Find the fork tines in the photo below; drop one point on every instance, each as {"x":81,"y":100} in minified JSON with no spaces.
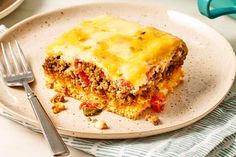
{"x":15,"y":66}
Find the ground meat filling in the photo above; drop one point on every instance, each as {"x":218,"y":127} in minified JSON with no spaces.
{"x":92,"y":78}
{"x":55,"y":65}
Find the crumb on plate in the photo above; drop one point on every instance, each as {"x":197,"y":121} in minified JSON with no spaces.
{"x":89,"y":119}
{"x":58,"y":107}
{"x":59,"y":97}
{"x":94,"y":120}
{"x":153,"y":119}
{"x":101,"y":124}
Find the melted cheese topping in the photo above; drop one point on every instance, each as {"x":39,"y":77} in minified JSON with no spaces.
{"x":124,"y":50}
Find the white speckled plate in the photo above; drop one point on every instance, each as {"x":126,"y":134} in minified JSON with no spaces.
{"x":210,"y":70}
{"x":7,"y":6}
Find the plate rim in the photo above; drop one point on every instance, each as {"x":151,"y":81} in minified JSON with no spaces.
{"x":134,"y":134}
{"x":10,"y":8}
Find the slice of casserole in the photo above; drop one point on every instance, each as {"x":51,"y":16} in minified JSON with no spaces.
{"x":113,"y":64}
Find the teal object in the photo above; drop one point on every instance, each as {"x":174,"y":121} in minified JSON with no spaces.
{"x":220,"y":7}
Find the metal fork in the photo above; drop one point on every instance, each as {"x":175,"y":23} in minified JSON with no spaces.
{"x":20,"y":75}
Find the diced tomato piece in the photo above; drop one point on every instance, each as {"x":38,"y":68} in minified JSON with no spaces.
{"x":87,"y":104}
{"x":158,"y":101}
{"x":84,"y":77}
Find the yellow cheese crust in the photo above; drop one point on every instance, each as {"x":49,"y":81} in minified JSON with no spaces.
{"x":123,"y":49}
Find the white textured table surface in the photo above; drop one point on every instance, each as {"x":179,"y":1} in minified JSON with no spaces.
{"x":17,"y":141}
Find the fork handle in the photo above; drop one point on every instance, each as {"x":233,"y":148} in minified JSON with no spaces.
{"x":56,"y":143}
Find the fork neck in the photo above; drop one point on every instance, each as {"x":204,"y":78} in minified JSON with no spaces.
{"x":28,"y":90}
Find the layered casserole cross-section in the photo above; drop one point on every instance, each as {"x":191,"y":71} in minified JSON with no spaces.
{"x":112,"y":64}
